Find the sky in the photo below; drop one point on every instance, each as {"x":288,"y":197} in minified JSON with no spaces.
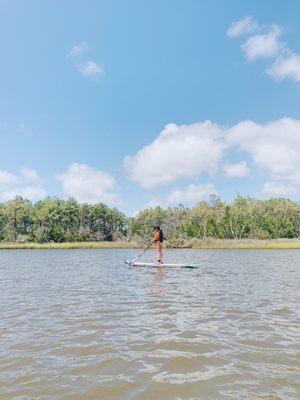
{"x":139,"y":103}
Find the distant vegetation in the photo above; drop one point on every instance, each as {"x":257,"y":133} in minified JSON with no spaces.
{"x":55,"y":220}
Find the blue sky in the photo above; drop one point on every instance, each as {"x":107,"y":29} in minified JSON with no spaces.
{"x":107,"y":100}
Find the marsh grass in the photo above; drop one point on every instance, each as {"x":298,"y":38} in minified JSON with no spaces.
{"x":69,"y":245}
{"x":246,"y":244}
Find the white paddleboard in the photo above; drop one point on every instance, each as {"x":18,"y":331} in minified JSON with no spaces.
{"x":157,"y":265}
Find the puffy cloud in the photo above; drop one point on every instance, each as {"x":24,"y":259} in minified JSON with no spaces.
{"x":88,"y":185}
{"x":91,"y":69}
{"x":6,"y":178}
{"x":87,"y":68}
{"x":238,"y":170}
{"x":184,"y":151}
{"x":12,"y":185}
{"x":30,"y":175}
{"x":264,"y":45}
{"x":287,"y":62}
{"x":241,"y":27}
{"x":32,"y":193}
{"x":77,"y":50}
{"x":154,"y":202}
{"x":275,"y":189}
{"x":260,"y":45}
{"x":191,"y":194}
{"x":274,"y":147}
{"x":286,"y":67}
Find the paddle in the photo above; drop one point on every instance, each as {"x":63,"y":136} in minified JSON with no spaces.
{"x":136,"y":258}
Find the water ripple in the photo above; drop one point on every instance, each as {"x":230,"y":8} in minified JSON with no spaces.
{"x":79,"y":324}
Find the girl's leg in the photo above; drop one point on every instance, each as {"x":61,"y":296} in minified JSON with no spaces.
{"x":160,"y":254}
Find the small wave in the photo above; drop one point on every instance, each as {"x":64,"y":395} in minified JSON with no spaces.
{"x":189,"y":377}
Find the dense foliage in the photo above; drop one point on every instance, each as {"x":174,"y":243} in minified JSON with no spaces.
{"x":243,"y":218}
{"x":55,"y":220}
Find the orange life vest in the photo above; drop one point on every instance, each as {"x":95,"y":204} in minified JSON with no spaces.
{"x":156,"y":236}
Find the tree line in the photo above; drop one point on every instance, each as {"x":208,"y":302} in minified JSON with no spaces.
{"x":56,"y":220}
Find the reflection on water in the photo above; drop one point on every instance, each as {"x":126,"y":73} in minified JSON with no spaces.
{"x":157,"y":279}
{"x":80,"y":324}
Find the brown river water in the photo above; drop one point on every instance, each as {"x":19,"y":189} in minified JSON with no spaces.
{"x":80,"y":324}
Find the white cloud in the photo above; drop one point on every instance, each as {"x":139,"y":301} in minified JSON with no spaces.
{"x":12,"y":185}
{"x":184,"y":151}
{"x":287,"y":62}
{"x":238,"y":170}
{"x":154,"y":202}
{"x":91,"y":69}
{"x":275,"y":189}
{"x":88,"y":185}
{"x":32,"y":193}
{"x":30,"y":175}
{"x":191,"y":194}
{"x":274,"y":147}
{"x":77,"y":50}
{"x":241,"y":27}
{"x":6,"y":178}
{"x":286,"y":67}
{"x":187,"y":195}
{"x":264,"y":45}
{"x":87,"y":68}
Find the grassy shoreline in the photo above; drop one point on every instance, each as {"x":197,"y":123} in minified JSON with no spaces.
{"x":246,"y":244}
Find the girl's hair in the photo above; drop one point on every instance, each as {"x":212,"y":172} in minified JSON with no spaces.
{"x":157,"y":227}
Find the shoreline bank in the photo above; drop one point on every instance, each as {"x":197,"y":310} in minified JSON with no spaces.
{"x":214,"y":244}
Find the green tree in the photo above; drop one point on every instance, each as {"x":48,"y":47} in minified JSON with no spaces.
{"x":105,"y":223}
{"x":2,"y":221}
{"x":56,"y":220}
{"x":141,"y":226}
{"x":17,"y":219}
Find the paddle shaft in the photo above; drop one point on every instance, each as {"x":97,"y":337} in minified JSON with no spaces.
{"x":147,"y":248}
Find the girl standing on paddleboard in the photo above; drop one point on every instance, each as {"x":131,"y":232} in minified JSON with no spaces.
{"x":158,"y":240}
